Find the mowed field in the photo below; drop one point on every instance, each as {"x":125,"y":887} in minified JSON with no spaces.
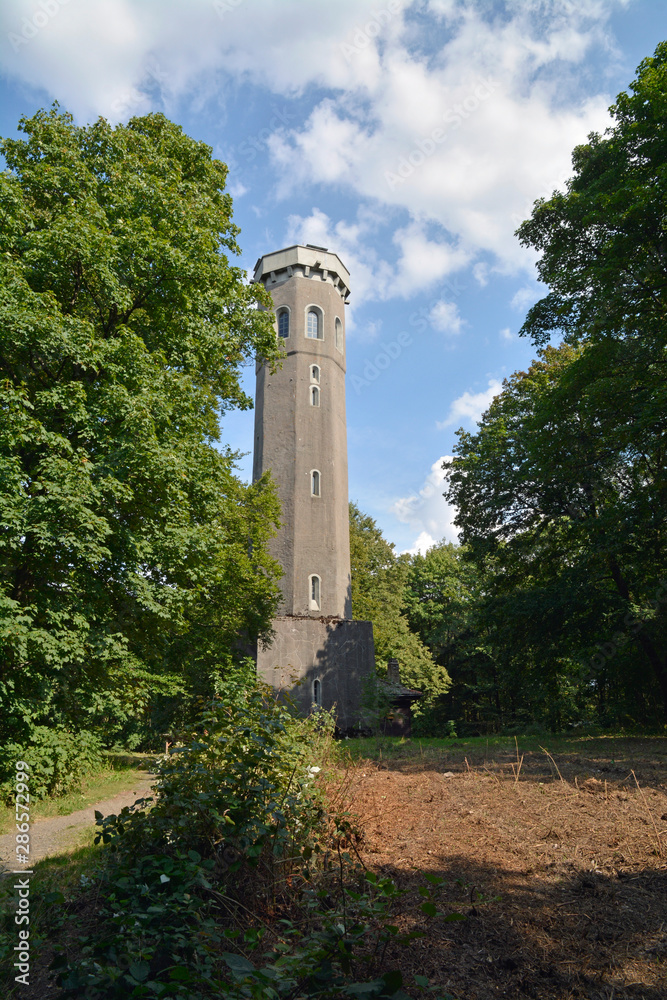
{"x":555,"y":850}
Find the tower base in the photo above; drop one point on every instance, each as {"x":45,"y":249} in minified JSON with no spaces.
{"x":337,"y":652}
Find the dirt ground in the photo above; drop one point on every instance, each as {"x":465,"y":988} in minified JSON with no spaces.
{"x":575,"y":846}
{"x":57,"y":834}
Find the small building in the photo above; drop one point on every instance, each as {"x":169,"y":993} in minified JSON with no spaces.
{"x":397,"y":721}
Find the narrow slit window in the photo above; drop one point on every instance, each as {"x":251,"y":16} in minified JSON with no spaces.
{"x":315,"y":483}
{"x":314,"y":395}
{"x":313,"y":325}
{"x":339,"y":335}
{"x":314,"y":593}
{"x":317,"y":693}
{"x":283,"y":323}
{"x":315,"y":373}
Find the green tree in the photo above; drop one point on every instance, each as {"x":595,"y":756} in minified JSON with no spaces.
{"x":562,"y":492}
{"x":131,"y":557}
{"x":379,"y":577}
{"x":545,"y":507}
{"x":602,"y":245}
{"x":440,"y":601}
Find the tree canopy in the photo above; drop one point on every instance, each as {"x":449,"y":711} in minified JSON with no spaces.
{"x":379,"y":578}
{"x":131,"y":556}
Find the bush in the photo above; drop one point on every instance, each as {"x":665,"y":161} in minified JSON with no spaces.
{"x":57,"y":758}
{"x":241,"y":780}
{"x":223,"y":870}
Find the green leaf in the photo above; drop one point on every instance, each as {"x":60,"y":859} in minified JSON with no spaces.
{"x":374,"y":988}
{"x":53,"y":897}
{"x":180,"y":973}
{"x":139,"y":971}
{"x":237,"y":963}
{"x":429,"y":909}
{"x":393,"y":980}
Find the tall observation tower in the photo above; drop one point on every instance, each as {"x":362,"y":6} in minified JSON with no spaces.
{"x":300,"y":429}
{"x":301,"y":437}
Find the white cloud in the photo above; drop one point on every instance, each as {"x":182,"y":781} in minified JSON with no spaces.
{"x":469,"y":407}
{"x":525,"y":297}
{"x":506,"y":335}
{"x":480,"y":118}
{"x":420,"y":263}
{"x":470,"y":138}
{"x":422,"y":544}
{"x":423,"y":261}
{"x":237,"y":189}
{"x":428,"y":512}
{"x":481,"y":274}
{"x":97,"y":57}
{"x":444,"y":316}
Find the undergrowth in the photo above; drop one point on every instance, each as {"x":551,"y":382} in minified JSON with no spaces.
{"x":237,"y":881}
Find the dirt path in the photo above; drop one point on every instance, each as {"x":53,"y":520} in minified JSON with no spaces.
{"x":56,"y":834}
{"x":562,"y":877}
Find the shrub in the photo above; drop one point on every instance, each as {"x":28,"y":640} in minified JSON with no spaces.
{"x":58,"y":760}
{"x":241,"y":780}
{"x":223,"y":870}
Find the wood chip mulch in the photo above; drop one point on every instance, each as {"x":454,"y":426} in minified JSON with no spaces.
{"x":579,"y":864}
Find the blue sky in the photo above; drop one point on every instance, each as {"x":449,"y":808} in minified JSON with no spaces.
{"x":409,"y":136}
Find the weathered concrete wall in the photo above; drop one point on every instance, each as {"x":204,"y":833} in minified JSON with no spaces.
{"x":293,"y":437}
{"x":339,"y":653}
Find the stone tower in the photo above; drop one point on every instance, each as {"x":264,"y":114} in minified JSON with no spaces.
{"x":300,"y":429}
{"x":301,"y":437}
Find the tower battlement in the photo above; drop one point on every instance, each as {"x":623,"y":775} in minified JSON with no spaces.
{"x":308,"y":261}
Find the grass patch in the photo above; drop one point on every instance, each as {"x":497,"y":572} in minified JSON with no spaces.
{"x":615,"y":746}
{"x":61,"y":872}
{"x":119,"y":774}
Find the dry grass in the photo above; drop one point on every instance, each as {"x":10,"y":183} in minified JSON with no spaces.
{"x":575,"y":845}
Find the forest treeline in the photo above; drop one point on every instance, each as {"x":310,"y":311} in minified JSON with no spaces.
{"x":134,"y":561}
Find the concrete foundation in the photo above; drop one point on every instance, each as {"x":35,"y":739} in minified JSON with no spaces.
{"x":336,"y":652}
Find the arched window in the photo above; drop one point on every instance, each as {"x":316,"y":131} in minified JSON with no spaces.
{"x":314,"y":395}
{"x":283,"y":323}
{"x":314,"y":588}
{"x":317,"y":693}
{"x":314,"y":324}
{"x":339,"y":335}
{"x":315,"y":483}
{"x":315,"y":373}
